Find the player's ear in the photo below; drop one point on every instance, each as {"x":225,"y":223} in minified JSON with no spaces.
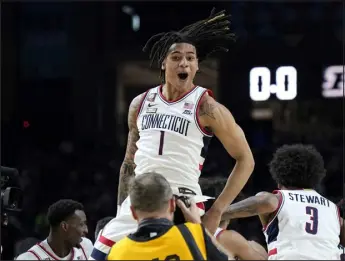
{"x":135,"y":216}
{"x":64,"y":226}
{"x":163,"y":65}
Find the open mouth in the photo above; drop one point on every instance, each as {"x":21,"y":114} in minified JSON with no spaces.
{"x":182,"y":76}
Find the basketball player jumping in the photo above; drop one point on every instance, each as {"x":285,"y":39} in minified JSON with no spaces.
{"x":171,"y":125}
{"x":298,"y":222}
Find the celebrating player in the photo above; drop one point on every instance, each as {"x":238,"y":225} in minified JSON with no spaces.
{"x":171,"y":125}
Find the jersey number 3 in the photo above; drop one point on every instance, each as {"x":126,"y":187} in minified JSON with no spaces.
{"x":311,"y":227}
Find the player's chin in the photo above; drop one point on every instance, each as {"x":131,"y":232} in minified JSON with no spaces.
{"x":182,"y":83}
{"x":79,"y":240}
{"x":78,"y":243}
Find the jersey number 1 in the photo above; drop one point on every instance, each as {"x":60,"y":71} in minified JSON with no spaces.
{"x":161,"y":143}
{"x":311,"y":227}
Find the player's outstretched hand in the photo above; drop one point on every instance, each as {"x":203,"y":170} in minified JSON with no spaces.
{"x":191,"y":214}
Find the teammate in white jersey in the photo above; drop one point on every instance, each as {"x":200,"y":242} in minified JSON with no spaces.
{"x":298,"y":222}
{"x":66,"y":240}
{"x":170,"y":125}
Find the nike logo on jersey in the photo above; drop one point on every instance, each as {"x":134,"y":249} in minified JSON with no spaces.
{"x":150,"y":105}
{"x":165,"y":121}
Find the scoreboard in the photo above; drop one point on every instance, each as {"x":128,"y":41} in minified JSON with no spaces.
{"x":283,"y":83}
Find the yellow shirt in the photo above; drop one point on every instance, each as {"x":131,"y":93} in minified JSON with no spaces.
{"x":168,"y":246}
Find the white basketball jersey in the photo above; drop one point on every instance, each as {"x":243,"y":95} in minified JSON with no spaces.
{"x":306,"y":226}
{"x":42,"y":251}
{"x":172,"y":142}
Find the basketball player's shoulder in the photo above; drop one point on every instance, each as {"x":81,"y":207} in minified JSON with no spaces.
{"x":138,"y":101}
{"x":210,"y":110}
{"x":134,"y":108}
{"x":272,"y":199}
{"x":87,"y":245}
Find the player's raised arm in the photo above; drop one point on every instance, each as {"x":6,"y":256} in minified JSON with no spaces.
{"x":128,"y":166}
{"x":262,"y":203}
{"x":218,"y":119}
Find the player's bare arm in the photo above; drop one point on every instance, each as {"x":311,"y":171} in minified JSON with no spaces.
{"x":259,"y":249}
{"x":262,"y":204}
{"x":240,"y":247}
{"x":217,"y":118}
{"x":220,"y":247}
{"x":128,"y":166}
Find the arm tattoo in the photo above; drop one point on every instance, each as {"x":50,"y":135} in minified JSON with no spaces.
{"x":126,"y":172}
{"x":207,"y":108}
{"x":245,"y":208}
{"x":128,"y":165}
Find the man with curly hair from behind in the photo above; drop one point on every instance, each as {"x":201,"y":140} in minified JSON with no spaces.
{"x":298,"y":222}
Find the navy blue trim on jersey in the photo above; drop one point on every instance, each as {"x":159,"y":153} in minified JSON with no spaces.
{"x":98,"y":254}
{"x":272,"y":231}
{"x":206,"y":141}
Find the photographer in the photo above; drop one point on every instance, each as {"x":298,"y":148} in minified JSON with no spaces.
{"x":153,"y":205}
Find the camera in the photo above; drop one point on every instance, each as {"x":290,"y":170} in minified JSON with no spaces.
{"x":178,"y":215}
{"x":11,"y":195}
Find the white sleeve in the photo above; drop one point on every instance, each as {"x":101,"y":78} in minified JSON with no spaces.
{"x":87,"y":245}
{"x":27,"y":256}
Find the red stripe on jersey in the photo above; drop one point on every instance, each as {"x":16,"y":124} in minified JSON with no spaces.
{"x":339,"y":217}
{"x":220,"y":232}
{"x":277,"y":209}
{"x":272,"y":252}
{"x":52,"y":255}
{"x":34,"y":253}
{"x":280,"y":200}
{"x":200,"y":205}
{"x":200,"y":167}
{"x":209,"y":92}
{"x":106,"y":241}
{"x":142,"y":102}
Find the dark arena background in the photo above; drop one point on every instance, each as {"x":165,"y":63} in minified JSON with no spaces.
{"x":69,"y":71}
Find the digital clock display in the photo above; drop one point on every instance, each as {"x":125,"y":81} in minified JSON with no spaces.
{"x":263,"y":83}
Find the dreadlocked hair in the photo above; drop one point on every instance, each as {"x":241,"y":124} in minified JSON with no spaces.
{"x":207,"y":36}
